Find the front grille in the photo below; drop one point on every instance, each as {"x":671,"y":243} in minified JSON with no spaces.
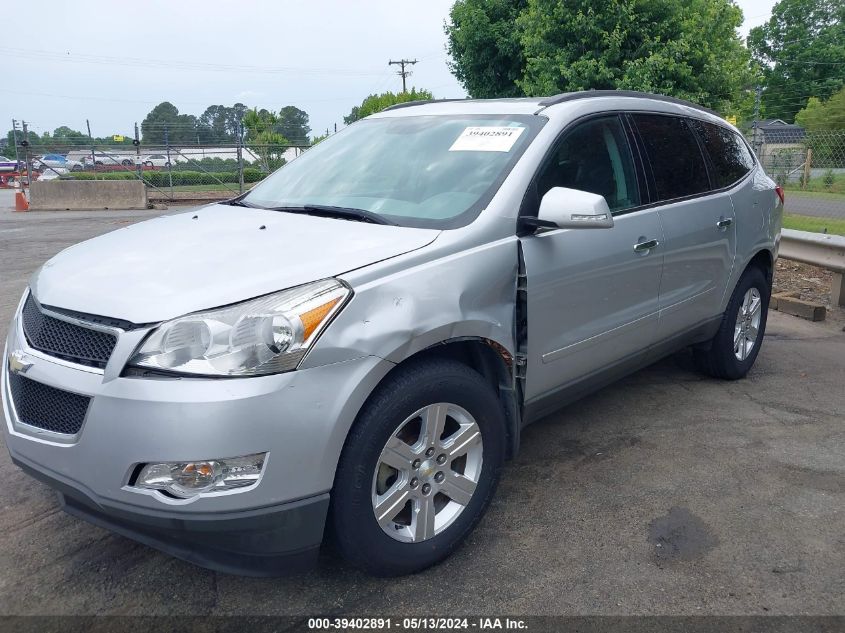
{"x":65,"y":340}
{"x":46,"y":407}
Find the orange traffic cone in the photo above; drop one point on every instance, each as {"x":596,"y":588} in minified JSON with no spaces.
{"x":21,"y":203}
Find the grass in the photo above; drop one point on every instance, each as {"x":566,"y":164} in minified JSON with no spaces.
{"x":817,"y":195}
{"x":815,"y":225}
{"x":233,"y":188}
{"x":833,"y":184}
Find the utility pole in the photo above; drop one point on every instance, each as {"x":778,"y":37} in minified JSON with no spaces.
{"x":403,"y":73}
{"x":91,"y":138}
{"x":15,"y":138}
{"x":240,"y":132}
{"x":169,"y":169}
{"x":758,"y":92}
{"x":137,"y":143}
{"x":27,"y":157}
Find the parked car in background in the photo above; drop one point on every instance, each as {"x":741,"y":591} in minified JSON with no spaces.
{"x":53,"y":173}
{"x":354,"y":346}
{"x":156,"y":160}
{"x":8,"y":164}
{"x":56,"y":161}
{"x":103,"y":158}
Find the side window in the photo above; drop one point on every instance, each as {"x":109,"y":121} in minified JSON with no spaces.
{"x":675,"y":157}
{"x":594,"y":156}
{"x":729,"y":155}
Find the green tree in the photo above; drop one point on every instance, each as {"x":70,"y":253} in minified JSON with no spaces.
{"x":688,"y":50}
{"x":165,"y":120}
{"x":377,"y":103}
{"x":540,"y":47}
{"x":801,"y":50}
{"x":219,"y":123}
{"x":485,"y":47}
{"x":820,"y":115}
{"x":263,"y":139}
{"x":820,"y":118}
{"x":293,"y":125}
{"x":318,"y":139}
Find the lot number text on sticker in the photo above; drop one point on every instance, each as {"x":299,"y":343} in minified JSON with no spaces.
{"x":486,"y":139}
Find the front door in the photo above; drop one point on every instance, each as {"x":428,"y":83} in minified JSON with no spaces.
{"x":592,"y":294}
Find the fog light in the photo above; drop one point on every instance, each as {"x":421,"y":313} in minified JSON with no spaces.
{"x":189,"y":479}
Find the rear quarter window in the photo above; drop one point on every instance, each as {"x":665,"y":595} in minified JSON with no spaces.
{"x":677,"y":163}
{"x":729,"y":156}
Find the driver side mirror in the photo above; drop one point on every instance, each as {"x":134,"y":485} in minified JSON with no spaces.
{"x":563,"y":208}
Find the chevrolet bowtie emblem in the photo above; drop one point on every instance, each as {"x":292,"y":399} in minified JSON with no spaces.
{"x":19,"y":363}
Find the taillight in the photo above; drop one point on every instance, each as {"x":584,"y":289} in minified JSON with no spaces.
{"x":779,"y":191}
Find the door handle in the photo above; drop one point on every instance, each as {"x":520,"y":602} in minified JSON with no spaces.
{"x":724,"y":223}
{"x":642,"y":247}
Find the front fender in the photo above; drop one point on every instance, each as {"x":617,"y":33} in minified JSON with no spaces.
{"x":464,"y":294}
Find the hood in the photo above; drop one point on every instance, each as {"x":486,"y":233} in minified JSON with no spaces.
{"x":173,"y":265}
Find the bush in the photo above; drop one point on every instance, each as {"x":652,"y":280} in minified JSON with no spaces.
{"x":251,"y":174}
{"x":180,"y":178}
{"x":829,"y":179}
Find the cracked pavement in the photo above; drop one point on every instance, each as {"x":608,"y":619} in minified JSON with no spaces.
{"x":666,"y":493}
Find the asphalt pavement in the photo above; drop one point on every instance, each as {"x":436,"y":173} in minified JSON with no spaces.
{"x":815,"y":206}
{"x":667,"y":493}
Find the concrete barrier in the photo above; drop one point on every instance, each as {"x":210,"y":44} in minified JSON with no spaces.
{"x":88,"y":194}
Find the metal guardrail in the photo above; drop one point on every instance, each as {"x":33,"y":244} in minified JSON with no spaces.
{"x":818,"y":249}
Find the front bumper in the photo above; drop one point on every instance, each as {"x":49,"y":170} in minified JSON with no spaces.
{"x":300,"y":419}
{"x":262,"y":542}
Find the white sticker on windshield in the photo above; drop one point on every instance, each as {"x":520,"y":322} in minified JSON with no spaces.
{"x":486,"y":139}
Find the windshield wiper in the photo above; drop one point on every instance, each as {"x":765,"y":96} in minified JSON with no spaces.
{"x":237,"y":202}
{"x":327,"y":211}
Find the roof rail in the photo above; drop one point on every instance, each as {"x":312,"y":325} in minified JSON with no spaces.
{"x":408,"y":104}
{"x":587,"y":94}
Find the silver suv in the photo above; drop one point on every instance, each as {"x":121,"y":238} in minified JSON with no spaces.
{"x":354,"y":346}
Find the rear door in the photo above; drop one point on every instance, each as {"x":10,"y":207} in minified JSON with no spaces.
{"x":698,"y":223}
{"x":592,"y":298}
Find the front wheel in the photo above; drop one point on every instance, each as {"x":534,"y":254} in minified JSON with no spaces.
{"x":733,"y":350}
{"x":419,"y":468}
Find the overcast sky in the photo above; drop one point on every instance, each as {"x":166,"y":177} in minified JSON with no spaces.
{"x":111,"y":62}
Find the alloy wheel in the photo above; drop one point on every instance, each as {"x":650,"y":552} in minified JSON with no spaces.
{"x":427,"y":472}
{"x":747,"y":327}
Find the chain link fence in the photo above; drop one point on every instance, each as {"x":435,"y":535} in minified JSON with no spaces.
{"x":171,"y":173}
{"x":810,"y":166}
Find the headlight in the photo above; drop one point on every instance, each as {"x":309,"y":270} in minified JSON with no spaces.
{"x":267,"y":335}
{"x":189,"y":479}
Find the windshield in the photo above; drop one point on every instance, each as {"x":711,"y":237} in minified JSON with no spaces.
{"x":425,"y":171}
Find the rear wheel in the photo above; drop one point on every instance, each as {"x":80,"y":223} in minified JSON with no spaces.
{"x":419,"y":468}
{"x":734,"y":349}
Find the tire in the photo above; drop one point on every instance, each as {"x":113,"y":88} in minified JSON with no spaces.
{"x":362,"y":474}
{"x":125,"y":162}
{"x":724,"y":358}
{"x":148,"y":164}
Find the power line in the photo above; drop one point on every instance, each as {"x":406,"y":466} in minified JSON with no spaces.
{"x":175,"y":64}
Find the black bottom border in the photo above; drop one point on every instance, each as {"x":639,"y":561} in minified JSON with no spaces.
{"x":533,"y":624}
